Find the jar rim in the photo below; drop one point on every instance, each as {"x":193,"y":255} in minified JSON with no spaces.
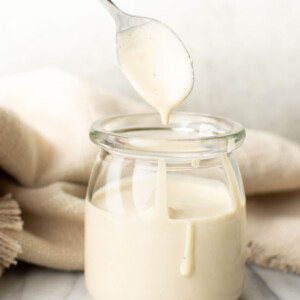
{"x":188,"y":135}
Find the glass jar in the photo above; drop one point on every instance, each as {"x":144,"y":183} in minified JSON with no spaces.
{"x":165,"y":209}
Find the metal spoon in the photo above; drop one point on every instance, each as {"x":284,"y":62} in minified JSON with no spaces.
{"x":125,"y":22}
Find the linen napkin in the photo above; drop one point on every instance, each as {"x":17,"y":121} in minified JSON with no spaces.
{"x":46,"y":158}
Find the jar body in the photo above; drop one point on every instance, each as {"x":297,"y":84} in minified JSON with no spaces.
{"x":169,"y":229}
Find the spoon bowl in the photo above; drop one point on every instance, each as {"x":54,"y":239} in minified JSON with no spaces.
{"x":154,"y":60}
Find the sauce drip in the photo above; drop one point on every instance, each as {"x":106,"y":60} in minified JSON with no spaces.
{"x":187,"y":263}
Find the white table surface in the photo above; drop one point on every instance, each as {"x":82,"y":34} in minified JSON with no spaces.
{"x":26,"y":282}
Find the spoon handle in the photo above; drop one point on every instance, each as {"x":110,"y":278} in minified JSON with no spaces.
{"x":123,"y":20}
{"x":113,"y":10}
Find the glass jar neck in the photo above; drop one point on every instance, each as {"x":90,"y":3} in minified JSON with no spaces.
{"x":187,"y":136}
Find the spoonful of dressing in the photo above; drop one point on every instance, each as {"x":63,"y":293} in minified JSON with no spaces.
{"x":153,"y":59}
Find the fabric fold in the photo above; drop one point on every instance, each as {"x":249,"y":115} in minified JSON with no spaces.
{"x":269,"y":163}
{"x":10,"y":225}
{"x":273,"y":231}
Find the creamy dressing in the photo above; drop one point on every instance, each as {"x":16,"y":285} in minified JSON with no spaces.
{"x":186,"y":243}
{"x":196,"y":162}
{"x":156,"y":64}
{"x":187,"y":263}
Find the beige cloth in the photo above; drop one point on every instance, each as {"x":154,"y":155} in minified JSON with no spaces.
{"x":46,"y":158}
{"x":10,"y":221}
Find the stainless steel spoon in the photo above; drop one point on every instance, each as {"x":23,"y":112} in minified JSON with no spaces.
{"x":125,"y":22}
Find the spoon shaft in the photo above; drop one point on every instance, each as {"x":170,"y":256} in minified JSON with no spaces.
{"x":113,"y":10}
